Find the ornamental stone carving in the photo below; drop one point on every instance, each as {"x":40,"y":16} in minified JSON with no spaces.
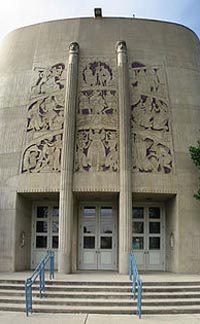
{"x":97,"y":73}
{"x":73,"y":47}
{"x":96,"y":146}
{"x":47,"y":80}
{"x":151,"y":134}
{"x":45,"y":114}
{"x":121,"y":46}
{"x":45,"y":118}
{"x":43,"y":154}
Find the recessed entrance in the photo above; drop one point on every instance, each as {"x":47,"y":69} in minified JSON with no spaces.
{"x":97,"y":237}
{"x":45,"y":227}
{"x":148,"y":238}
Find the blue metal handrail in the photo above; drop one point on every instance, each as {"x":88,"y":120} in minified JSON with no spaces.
{"x":136,"y":283}
{"x":38,"y":272}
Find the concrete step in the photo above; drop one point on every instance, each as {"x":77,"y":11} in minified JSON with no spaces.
{"x":104,"y":288}
{"x":100,"y":301}
{"x":103,"y":297}
{"x":104,"y":309}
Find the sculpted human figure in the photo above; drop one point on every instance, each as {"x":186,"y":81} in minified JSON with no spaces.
{"x":160,"y":116}
{"x":96,"y":151}
{"x":165,"y":159}
{"x":89,"y":77}
{"x":103,"y":76}
{"x":111,"y":160}
{"x":31,"y":157}
{"x":140,"y":153}
{"x":34,"y":117}
{"x":84,"y":104}
{"x":143,"y":114}
{"x":111,"y":103}
{"x":97,"y":103}
{"x":49,"y":79}
{"x":57,"y":153}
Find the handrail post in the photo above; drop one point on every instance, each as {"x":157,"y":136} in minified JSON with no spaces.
{"x":139,"y":303}
{"x":51,"y":264}
{"x":42,"y":279}
{"x":136,"y":281}
{"x":39,"y":271}
{"x":134,"y":284}
{"x":28,"y":292}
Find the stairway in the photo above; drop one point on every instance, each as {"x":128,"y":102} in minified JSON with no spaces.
{"x":98,"y":297}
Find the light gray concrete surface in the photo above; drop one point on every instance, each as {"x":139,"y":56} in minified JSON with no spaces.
{"x":11,"y":318}
{"x":105,"y":276}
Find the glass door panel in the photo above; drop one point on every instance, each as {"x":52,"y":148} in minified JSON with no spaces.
{"x":148,"y":237}
{"x":97,"y":230}
{"x":44,"y":231}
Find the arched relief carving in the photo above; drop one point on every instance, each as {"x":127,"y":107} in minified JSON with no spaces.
{"x":45,"y":118}
{"x":96,"y":146}
{"x":151,"y":134}
{"x":46,"y":113}
{"x":43,"y":154}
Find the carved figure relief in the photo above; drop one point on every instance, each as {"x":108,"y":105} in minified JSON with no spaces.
{"x":151,"y":136}
{"x":43,"y":155}
{"x":48,"y":80}
{"x":45,"y":116}
{"x":97,"y":119}
{"x":96,"y":150}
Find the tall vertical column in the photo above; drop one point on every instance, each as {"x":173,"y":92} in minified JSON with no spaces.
{"x":125,"y":198}
{"x":66,"y":195}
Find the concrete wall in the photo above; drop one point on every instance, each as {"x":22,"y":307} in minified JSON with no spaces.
{"x":23,"y":233}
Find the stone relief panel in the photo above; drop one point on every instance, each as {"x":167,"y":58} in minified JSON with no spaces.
{"x":45,"y":118}
{"x":96,"y":147}
{"x":43,"y":154}
{"x":151,"y":133}
{"x":47,"y":80}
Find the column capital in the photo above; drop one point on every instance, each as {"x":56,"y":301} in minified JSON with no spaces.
{"x":121,"y":46}
{"x":73,"y":48}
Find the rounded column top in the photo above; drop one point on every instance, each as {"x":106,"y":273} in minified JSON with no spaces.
{"x":73,"y":48}
{"x":121,"y":46}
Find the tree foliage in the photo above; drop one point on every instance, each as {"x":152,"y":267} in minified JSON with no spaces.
{"x":195,"y":155}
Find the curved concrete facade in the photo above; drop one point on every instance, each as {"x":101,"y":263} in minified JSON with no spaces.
{"x":96,"y":112}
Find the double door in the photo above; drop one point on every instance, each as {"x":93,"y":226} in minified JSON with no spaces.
{"x":45,"y":228}
{"x":148,"y":237}
{"x":97,"y":237}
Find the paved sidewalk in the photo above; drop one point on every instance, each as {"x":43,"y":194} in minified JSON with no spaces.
{"x":20,"y":318}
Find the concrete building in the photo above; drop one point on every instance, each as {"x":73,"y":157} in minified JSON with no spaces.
{"x":96,"y":117}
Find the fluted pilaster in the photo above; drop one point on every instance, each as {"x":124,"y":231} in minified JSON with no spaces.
{"x":66,"y":195}
{"x":125,"y":200}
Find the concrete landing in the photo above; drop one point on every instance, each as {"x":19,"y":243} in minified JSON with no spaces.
{"x":13,"y":318}
{"x":106,"y":276}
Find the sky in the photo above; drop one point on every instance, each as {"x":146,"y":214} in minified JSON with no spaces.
{"x":19,"y":13}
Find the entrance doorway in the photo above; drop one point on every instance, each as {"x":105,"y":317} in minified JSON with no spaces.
{"x":97,"y":237}
{"x":148,"y":237}
{"x":45,"y":227}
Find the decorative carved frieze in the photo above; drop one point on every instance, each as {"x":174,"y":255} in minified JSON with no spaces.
{"x":47,"y":80}
{"x":96,"y":146}
{"x":45,"y":118}
{"x":151,"y":134}
{"x":43,"y":154}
